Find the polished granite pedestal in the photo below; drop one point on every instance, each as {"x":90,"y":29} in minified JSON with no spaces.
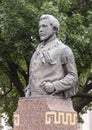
{"x":45,"y":114}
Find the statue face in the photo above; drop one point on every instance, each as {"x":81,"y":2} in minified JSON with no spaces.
{"x":46,"y":31}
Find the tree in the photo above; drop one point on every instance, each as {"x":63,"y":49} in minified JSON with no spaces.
{"x":19,"y":38}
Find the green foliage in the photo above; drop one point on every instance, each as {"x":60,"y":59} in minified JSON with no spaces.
{"x":9,"y":104}
{"x":19,"y":37}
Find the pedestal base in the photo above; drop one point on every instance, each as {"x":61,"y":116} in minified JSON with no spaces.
{"x":45,"y":114}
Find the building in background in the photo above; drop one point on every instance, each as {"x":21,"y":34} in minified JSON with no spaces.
{"x":87,"y":125}
{"x":3,"y":125}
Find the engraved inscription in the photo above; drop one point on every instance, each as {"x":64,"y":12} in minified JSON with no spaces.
{"x":60,"y":117}
{"x":16,"y":120}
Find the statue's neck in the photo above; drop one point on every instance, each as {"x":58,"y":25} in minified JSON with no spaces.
{"x":50,"y":39}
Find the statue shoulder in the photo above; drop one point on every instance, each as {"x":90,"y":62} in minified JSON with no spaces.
{"x":65,"y":50}
{"x":66,"y":54}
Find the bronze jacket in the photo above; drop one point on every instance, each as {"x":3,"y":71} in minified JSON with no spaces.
{"x":53,"y":62}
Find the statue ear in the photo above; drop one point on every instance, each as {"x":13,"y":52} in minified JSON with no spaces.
{"x":55,"y":30}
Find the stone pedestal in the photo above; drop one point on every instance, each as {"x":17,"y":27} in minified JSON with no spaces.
{"x":45,"y":114}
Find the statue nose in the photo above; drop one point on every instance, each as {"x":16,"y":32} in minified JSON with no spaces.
{"x":40,"y":30}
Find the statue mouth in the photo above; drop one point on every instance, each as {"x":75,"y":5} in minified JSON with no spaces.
{"x":42,"y":34}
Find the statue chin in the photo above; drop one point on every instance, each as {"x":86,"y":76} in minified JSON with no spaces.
{"x":42,"y":38}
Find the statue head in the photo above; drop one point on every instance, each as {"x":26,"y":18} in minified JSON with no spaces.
{"x":48,"y":26}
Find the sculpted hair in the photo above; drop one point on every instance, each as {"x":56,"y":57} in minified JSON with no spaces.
{"x":53,"y":21}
